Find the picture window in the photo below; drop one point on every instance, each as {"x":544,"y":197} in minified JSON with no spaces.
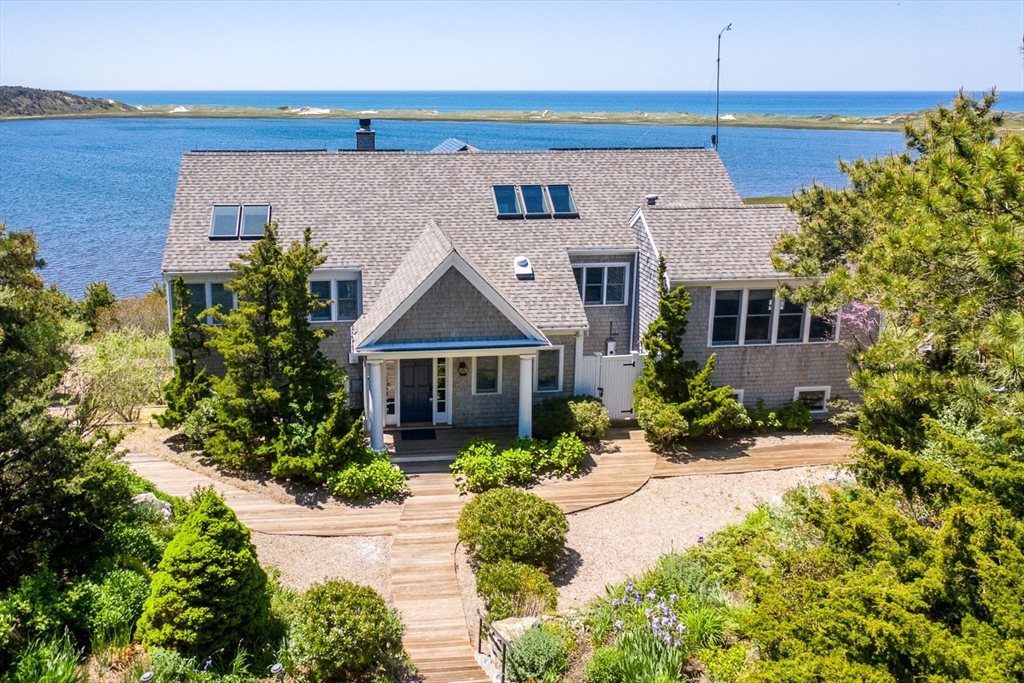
{"x":487,"y":375}
{"x":549,"y":370}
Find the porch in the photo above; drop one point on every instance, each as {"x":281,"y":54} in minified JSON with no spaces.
{"x":414,"y":450}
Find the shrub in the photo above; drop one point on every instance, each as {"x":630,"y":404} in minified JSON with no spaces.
{"x":97,"y":298}
{"x":663,"y":423}
{"x":590,"y":417}
{"x":345,"y":631}
{"x":182,"y":397}
{"x":762,"y":419}
{"x":711,"y":410}
{"x":377,"y":478}
{"x":604,"y":666}
{"x":112,"y":604}
{"x":198,"y":424}
{"x":795,"y":416}
{"x":147,"y":313}
{"x":477,"y":463}
{"x":564,"y":455}
{"x":514,"y":589}
{"x":584,"y":416}
{"x":723,"y":665}
{"x":537,"y":654}
{"x":513,"y":525}
{"x":210,"y":591}
{"x":518,"y":465}
{"x":128,"y":369}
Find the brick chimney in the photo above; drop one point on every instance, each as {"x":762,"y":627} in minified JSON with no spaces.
{"x":365,"y":138}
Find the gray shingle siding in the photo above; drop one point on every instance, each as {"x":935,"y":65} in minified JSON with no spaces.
{"x":452,"y":310}
{"x":648,"y":292}
{"x":769,"y":372}
{"x":603,"y":321}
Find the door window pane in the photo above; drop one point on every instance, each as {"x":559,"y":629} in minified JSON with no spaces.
{"x":487,"y":375}
{"x":508,"y":203}
{"x":759,"y":316}
{"x":726,"y":325}
{"x":533,"y":198}
{"x":254,"y":218}
{"x":348,"y":302}
{"x":547,"y":370}
{"x":225,"y":221}
{"x":791,"y":323}
{"x":822,"y":329}
{"x":322,"y":290}
{"x":441,"y":402}
{"x":615,"y":293}
{"x":196,"y":299}
{"x":593,"y":290}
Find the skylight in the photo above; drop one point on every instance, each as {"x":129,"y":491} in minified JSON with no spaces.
{"x":254,"y":217}
{"x":225,"y":221}
{"x":539,"y":201}
{"x":508,"y":202}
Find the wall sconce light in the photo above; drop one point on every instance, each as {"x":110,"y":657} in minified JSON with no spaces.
{"x":462,"y":369}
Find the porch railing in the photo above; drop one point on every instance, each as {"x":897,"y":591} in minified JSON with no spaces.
{"x":498,"y":645}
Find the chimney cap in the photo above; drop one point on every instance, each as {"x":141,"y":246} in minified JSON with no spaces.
{"x":364,"y":124}
{"x":651,"y":199}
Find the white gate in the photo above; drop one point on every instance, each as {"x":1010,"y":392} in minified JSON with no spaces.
{"x":611,"y":379}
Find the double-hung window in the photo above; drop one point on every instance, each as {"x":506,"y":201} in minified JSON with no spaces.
{"x":549,"y":369}
{"x":487,"y":375}
{"x":759,"y":316}
{"x":341,"y":296}
{"x":206,"y":295}
{"x":601,"y":285}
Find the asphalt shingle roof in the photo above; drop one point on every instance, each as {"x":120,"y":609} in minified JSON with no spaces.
{"x":730,"y":243}
{"x":371,"y":207}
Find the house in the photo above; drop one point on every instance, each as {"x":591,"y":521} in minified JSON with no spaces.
{"x":467,"y":285}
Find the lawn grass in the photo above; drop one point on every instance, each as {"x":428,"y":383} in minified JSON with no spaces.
{"x":765,"y":200}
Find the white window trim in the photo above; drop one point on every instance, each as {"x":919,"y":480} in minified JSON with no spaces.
{"x":487,"y":393}
{"x":445,"y":416}
{"x":738,"y":395}
{"x":604,"y":283}
{"x":805,"y":330}
{"x":334,"y":279}
{"x":561,"y":370}
{"x":828,"y":393}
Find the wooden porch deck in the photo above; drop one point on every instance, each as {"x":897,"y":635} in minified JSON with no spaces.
{"x":444,"y":448}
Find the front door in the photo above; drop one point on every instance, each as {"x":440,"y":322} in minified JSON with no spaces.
{"x":417,"y":390}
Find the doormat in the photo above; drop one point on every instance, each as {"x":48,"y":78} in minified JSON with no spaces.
{"x":418,"y":434}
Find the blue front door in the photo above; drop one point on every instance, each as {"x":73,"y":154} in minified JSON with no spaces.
{"x":417,"y":390}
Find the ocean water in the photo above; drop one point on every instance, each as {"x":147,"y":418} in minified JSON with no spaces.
{"x":98,"y":192}
{"x":735,"y":102}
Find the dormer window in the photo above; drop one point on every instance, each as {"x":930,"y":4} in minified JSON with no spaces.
{"x":534,"y":201}
{"x":231,"y":221}
{"x":254,"y":218}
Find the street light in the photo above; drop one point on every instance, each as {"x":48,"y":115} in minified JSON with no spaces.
{"x":718,"y":79}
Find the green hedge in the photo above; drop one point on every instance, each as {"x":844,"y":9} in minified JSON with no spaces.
{"x":514,"y":589}
{"x":584,"y":416}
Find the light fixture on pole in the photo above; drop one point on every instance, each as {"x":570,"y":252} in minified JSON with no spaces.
{"x":718,"y":80}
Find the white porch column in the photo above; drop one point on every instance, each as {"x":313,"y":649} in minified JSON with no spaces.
{"x":375,"y":409}
{"x":526,"y":394}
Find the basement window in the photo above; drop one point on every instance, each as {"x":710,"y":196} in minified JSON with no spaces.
{"x":815,"y":398}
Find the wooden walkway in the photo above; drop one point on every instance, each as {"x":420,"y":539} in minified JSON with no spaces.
{"x":426,"y":588}
{"x":268,"y":516}
{"x":757,"y":459}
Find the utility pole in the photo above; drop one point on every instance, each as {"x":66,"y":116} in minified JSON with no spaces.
{"x":718,"y":80}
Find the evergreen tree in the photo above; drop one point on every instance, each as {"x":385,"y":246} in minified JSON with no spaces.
{"x":665,"y":373}
{"x":209,"y":591}
{"x":188,"y":338}
{"x":279,"y":388}
{"x":98,"y":298}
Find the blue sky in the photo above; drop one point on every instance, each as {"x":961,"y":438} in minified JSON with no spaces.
{"x":905,"y":45}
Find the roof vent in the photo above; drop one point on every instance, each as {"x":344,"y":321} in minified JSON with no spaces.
{"x":651,"y":199}
{"x":523,"y":268}
{"x":365,"y":138}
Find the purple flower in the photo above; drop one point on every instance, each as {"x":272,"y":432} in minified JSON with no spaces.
{"x":700,"y":539}
{"x":677,"y":643}
{"x":615,"y":602}
{"x":629,"y":587}
{"x":667,"y":638}
{"x":618,"y":624}
{"x":680,"y":628}
{"x":653,"y":594}
{"x":672,"y":598}
{"x":647,"y":612}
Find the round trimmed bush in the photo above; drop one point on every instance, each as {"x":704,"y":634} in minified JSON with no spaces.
{"x":514,"y":589}
{"x":345,"y":631}
{"x":509,"y":524}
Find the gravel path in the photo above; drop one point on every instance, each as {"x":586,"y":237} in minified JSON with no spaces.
{"x":305,"y":560}
{"x":621,"y":539}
